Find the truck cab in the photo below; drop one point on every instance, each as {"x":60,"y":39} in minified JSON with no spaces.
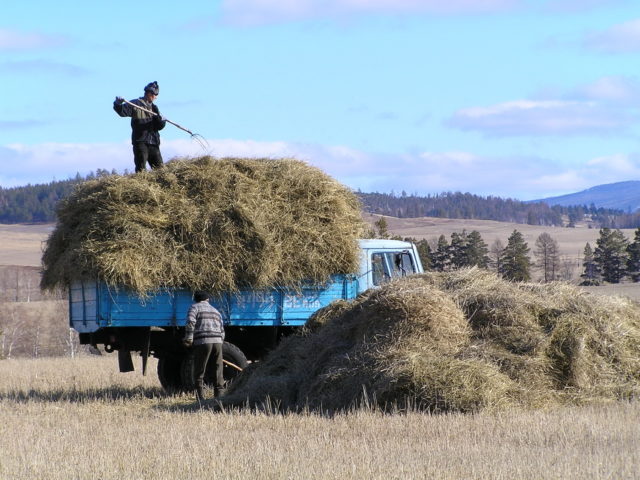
{"x":382,"y":260}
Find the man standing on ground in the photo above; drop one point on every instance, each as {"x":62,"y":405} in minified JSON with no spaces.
{"x":145,"y":127}
{"x":205,"y":331}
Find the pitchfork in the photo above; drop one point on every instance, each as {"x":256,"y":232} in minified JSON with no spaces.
{"x":198,"y":138}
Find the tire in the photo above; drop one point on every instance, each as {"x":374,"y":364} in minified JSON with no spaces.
{"x":169,"y":374}
{"x":230,"y":353}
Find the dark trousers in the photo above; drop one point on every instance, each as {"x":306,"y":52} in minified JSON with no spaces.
{"x":145,"y":152}
{"x":201,"y":354}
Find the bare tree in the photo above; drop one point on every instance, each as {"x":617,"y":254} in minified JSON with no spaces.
{"x":13,"y":328}
{"x":547,"y":256}
{"x":567,"y":268}
{"x":496,"y":252}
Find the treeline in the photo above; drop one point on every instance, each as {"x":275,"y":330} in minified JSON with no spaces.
{"x":469,"y":206}
{"x":614,"y":259}
{"x":511,"y":261}
{"x":37,"y":203}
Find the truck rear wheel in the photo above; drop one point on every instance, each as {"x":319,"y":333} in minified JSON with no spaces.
{"x":169,"y":374}
{"x":230,"y":353}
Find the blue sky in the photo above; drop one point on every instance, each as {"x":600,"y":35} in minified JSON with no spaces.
{"x":516,"y":98}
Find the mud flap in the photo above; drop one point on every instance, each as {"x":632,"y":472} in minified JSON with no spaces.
{"x":145,"y":351}
{"x":124,"y":360}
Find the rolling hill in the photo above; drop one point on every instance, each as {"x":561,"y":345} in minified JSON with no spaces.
{"x":623,"y":196}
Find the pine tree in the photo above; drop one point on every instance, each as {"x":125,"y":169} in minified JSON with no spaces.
{"x":383,"y":227}
{"x":590,"y":273}
{"x":516,"y":263}
{"x":547,"y":254}
{"x":458,"y":250}
{"x":611,"y":255}
{"x":424,"y":251}
{"x":477,"y":250}
{"x":633,"y":263}
{"x":440,"y":259}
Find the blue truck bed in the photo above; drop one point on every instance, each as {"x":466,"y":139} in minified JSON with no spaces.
{"x":94,"y":305}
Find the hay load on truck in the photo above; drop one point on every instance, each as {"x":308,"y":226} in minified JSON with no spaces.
{"x":273,"y":241}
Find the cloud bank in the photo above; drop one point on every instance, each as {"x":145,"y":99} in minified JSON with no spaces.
{"x":424,"y":172}
{"x":261,"y":12}
{"x":12,"y":40}
{"x":620,"y":38}
{"x":43,"y":66}
{"x":603,"y":107}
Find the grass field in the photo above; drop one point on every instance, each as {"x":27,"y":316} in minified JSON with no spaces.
{"x":79,"y":418}
{"x":571,"y":241}
{"x":22,"y":244}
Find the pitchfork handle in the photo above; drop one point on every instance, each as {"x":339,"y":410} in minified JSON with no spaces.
{"x":154,"y":113}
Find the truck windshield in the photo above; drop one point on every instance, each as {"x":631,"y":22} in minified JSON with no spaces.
{"x":388,"y":265}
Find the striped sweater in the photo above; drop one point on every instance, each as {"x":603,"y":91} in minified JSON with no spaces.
{"x":204,"y":324}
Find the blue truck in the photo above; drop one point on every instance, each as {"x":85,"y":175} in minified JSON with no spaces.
{"x":255,"y":320}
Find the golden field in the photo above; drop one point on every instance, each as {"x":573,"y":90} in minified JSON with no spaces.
{"x":64,"y":418}
{"x":80,"y":419}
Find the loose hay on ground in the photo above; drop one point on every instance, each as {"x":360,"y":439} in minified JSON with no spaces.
{"x":457,"y":341}
{"x":218,"y":224}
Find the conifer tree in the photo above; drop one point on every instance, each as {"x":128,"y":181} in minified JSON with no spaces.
{"x":633,"y":262}
{"x":477,"y":250}
{"x":590,"y":274}
{"x":440,"y":259}
{"x":458,"y":250}
{"x":516,"y":264}
{"x":383,"y":227}
{"x":611,"y":255}
{"x":424,"y":251}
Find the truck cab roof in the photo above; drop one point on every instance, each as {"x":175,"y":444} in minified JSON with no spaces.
{"x":380,"y":243}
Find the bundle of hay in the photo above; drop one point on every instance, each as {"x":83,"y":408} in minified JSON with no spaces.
{"x":216,"y":224}
{"x":460,"y":341}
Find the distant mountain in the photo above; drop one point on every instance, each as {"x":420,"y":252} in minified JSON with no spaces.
{"x":623,"y":196}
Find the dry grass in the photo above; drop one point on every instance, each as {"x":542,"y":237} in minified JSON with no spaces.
{"x":66,"y":419}
{"x":571,"y":241}
{"x":456,"y":341}
{"x":217,"y":224}
{"x":22,"y":244}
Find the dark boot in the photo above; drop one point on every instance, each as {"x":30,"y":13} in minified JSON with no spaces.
{"x":219,"y":392}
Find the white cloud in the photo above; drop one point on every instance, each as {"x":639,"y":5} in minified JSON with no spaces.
{"x":426,"y":172}
{"x":621,"y":38}
{"x":571,"y":6}
{"x":33,"y":67}
{"x":14,"y":40}
{"x":612,"y":88}
{"x":604,"y":106}
{"x":260,"y":12}
{"x":525,"y":117}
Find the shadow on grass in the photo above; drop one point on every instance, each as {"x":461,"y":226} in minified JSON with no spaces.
{"x":114,"y":393}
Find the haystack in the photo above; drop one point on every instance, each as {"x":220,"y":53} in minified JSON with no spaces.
{"x":460,"y":341}
{"x":205,"y":223}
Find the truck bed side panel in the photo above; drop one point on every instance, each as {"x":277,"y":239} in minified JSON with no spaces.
{"x":94,"y":305}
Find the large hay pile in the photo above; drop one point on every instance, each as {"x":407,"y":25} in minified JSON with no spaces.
{"x":460,"y":341}
{"x":217,"y":224}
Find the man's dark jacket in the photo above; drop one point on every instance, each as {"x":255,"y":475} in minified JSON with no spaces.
{"x":144,"y":126}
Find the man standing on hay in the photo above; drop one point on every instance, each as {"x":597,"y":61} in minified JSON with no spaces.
{"x":145,"y":127}
{"x":205,"y":332}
